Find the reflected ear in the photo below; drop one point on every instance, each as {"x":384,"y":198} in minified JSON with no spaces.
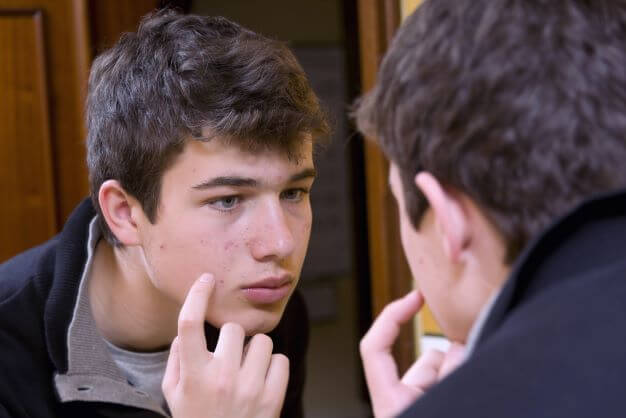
{"x":118,"y":209}
{"x":449,"y":214}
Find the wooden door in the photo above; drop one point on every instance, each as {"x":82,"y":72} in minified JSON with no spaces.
{"x":43,"y":69}
{"x":46,"y":47}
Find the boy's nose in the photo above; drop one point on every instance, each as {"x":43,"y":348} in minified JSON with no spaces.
{"x":273,"y":236}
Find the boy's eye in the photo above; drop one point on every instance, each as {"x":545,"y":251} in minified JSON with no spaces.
{"x":225,"y":203}
{"x":293,"y":194}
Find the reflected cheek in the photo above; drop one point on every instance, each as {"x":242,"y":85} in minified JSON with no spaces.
{"x":230,"y":246}
{"x":305,"y":225}
{"x":302,"y":233}
{"x":180,"y":262}
{"x":305,"y":231}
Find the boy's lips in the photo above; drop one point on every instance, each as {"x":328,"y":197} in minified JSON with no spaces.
{"x":271,"y":282}
{"x":269,"y":290}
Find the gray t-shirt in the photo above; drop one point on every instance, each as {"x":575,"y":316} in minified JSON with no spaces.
{"x":143,"y":370}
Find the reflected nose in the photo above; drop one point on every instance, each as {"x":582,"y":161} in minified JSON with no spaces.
{"x":273,"y":237}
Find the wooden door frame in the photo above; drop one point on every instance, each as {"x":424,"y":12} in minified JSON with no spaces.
{"x":390,"y":275}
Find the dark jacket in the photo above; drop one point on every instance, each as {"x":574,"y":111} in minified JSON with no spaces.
{"x":554,"y":343}
{"x":38,"y":294}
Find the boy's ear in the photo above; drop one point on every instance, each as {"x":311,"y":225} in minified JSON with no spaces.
{"x":449,"y":213}
{"x":118,"y":210}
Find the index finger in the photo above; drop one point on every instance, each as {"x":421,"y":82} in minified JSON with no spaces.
{"x":276,"y":383}
{"x":378,"y":363}
{"x":191,"y":338}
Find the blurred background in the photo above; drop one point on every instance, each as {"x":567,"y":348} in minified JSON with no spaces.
{"x":355,"y":264}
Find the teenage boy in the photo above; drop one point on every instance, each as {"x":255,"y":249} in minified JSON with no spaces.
{"x":505,"y":125}
{"x":199,"y":148}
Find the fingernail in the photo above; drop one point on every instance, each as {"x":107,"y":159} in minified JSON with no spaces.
{"x":206,"y":278}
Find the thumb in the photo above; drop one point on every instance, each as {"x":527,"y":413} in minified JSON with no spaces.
{"x":425,"y":371}
{"x":453,"y":359}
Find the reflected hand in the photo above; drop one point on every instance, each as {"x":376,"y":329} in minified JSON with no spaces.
{"x":232,"y":381}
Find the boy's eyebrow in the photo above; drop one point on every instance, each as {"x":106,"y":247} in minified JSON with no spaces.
{"x":236,"y":181}
{"x":306,"y":173}
{"x":232,"y":181}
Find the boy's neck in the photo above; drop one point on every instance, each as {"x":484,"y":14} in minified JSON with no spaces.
{"x":128,"y":310}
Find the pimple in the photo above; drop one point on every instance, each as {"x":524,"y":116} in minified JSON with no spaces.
{"x":162,"y":247}
{"x":202,"y":242}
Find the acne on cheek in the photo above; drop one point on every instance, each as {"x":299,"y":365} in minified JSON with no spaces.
{"x":230,"y":245}
{"x":225,"y":267}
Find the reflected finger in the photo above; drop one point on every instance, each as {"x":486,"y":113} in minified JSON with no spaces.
{"x":191,"y":338}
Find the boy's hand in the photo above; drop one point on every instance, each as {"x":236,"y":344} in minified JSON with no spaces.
{"x":390,"y":395}
{"x":227,"y":383}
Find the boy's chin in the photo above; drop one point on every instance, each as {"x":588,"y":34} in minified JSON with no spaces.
{"x":252,"y":322}
{"x":263,"y":328}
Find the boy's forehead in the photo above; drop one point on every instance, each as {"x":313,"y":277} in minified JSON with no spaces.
{"x":299,"y":153}
{"x":294,"y":149}
{"x":209,"y":162}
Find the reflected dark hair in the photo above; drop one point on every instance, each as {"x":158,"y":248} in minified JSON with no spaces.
{"x":179,"y":76}
{"x":519,"y":104}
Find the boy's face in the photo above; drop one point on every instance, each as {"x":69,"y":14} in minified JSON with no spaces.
{"x":430,"y":268}
{"x":244,"y":218}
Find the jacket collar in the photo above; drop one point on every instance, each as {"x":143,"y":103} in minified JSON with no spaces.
{"x":71,"y":255}
{"x":589,"y":237}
